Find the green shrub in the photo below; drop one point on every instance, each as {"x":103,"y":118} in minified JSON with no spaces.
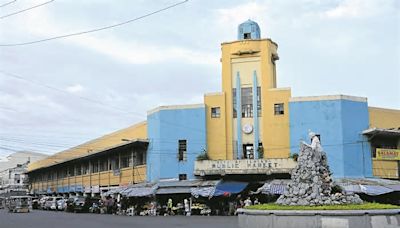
{"x":294,"y":156}
{"x":203,"y":156}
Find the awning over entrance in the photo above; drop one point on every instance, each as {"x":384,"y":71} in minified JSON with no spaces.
{"x":276,"y":186}
{"x":219,"y":188}
{"x":369,"y":186}
{"x":137,"y":190}
{"x":229,"y":187}
{"x":182,"y":187}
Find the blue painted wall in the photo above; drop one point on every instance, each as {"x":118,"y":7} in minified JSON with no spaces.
{"x":340,"y":123}
{"x":164,"y":129}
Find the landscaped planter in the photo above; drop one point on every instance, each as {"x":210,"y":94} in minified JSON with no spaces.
{"x":249,"y":218}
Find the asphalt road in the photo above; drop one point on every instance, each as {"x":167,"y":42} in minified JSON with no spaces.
{"x":51,"y":219}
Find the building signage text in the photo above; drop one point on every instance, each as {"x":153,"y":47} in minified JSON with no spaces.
{"x":387,"y":154}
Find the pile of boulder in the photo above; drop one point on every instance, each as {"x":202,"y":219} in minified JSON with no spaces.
{"x":311,"y":183}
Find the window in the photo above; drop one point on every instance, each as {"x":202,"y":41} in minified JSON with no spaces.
{"x":95,"y":166}
{"x":78,"y":170}
{"x":182,"y":176}
{"x":141,"y":157}
{"x":126,"y":159}
{"x":115,"y":163}
{"x":71,"y":171}
{"x":247,"y":35}
{"x":182,"y":150}
{"x":278,"y":109}
{"x":60,"y":174}
{"x":85,"y":168}
{"x":247,"y":102}
{"x":215,"y":112}
{"x":103,"y":165}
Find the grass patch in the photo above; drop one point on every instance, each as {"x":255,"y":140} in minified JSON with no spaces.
{"x":364,"y":206}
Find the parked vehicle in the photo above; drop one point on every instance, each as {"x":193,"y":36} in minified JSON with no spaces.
{"x":42,"y":202}
{"x":2,"y":202}
{"x":62,"y":204}
{"x":80,"y":203}
{"x":19,"y":204}
{"x":51,"y":203}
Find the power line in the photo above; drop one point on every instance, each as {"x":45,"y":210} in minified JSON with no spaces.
{"x":96,"y":29}
{"x":102,"y":103}
{"x":27,"y":9}
{"x":8,"y":3}
{"x":66,"y":92}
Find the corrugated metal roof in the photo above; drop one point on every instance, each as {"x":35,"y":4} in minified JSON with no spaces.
{"x":382,"y":131}
{"x":135,"y":141}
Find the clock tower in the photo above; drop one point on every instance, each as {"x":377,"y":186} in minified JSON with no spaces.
{"x":249,"y":124}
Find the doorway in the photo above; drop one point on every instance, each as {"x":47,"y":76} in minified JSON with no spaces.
{"x":248,"y":151}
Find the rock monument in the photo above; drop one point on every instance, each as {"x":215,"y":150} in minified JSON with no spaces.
{"x":311,"y":180}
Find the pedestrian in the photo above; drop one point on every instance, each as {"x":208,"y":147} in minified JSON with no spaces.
{"x":247,"y":202}
{"x":187,"y":207}
{"x":169,"y":206}
{"x":153,"y":208}
{"x":256,"y":201}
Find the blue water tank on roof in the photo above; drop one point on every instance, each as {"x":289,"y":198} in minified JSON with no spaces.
{"x":249,"y":30}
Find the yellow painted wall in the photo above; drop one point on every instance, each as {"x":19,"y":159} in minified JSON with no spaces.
{"x":276,"y":137}
{"x":137,"y":131}
{"x":385,"y":169}
{"x":384,"y":118}
{"x":216,"y":127}
{"x":140,"y":174}
{"x":274,"y":130}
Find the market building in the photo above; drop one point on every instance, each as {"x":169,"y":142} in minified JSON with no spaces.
{"x":247,"y":131}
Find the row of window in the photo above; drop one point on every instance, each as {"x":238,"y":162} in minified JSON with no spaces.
{"x":247,"y":110}
{"x":105,"y":163}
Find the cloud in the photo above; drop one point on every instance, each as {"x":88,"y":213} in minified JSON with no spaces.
{"x":358,"y":8}
{"x":134,"y":52}
{"x":238,"y":14}
{"x":77,"y":88}
{"x":130,"y":50}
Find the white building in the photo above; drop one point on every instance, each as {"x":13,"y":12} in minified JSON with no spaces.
{"x":13,"y":180}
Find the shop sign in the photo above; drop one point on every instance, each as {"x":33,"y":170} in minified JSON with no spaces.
{"x":95,"y":189}
{"x":87,"y":189}
{"x":387,"y":154}
{"x":244,"y":166}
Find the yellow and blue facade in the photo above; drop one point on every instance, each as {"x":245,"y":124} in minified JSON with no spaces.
{"x":177,"y":136}
{"x":249,"y":127}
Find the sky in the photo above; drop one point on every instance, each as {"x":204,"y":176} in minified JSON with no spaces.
{"x":63,"y":92}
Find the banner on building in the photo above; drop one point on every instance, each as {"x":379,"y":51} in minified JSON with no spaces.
{"x":387,"y":154}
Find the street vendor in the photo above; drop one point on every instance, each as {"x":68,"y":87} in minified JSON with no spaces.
{"x":169,"y":206}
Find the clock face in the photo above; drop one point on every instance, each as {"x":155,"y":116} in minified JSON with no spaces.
{"x":247,"y":128}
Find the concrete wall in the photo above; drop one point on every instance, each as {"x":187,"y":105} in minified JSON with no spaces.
{"x":356,"y":150}
{"x":167,"y":125}
{"x":319,"y":219}
{"x":339,"y":120}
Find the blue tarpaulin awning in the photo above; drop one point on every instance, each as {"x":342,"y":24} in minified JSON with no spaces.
{"x":229,"y":187}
